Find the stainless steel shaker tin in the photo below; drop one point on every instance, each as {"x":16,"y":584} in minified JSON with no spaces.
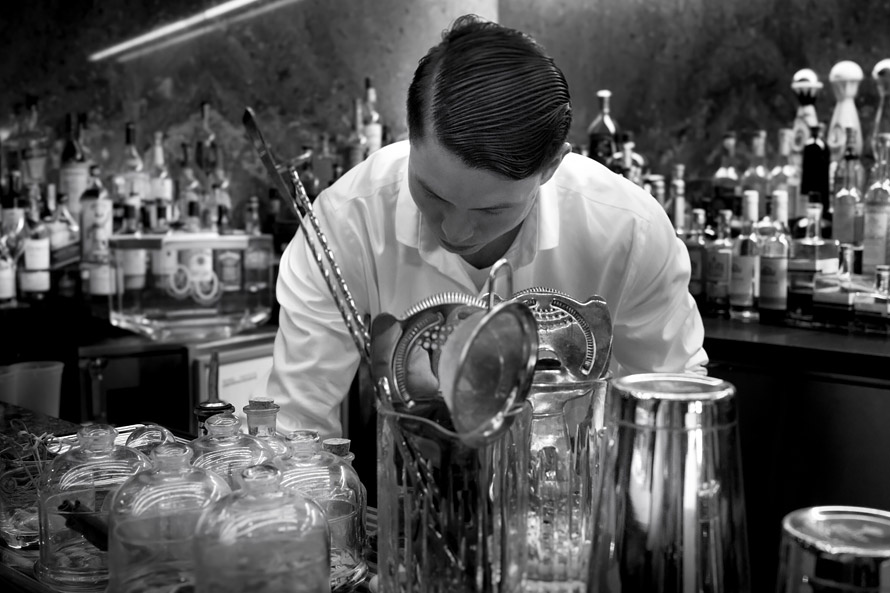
{"x":665,"y":401}
{"x":835,"y":548}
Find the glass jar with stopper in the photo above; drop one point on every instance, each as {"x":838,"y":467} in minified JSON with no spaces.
{"x":226,"y":450}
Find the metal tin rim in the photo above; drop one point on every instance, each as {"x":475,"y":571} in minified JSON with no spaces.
{"x":675,"y":387}
{"x":791,"y":526}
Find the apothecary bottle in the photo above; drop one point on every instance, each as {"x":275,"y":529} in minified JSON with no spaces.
{"x":262,"y":414}
{"x":75,"y":500}
{"x":330,"y":481}
{"x":153,"y":520}
{"x":226,"y":450}
{"x":262,"y":539}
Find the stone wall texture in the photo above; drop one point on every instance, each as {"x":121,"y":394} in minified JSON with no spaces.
{"x":681,"y":71}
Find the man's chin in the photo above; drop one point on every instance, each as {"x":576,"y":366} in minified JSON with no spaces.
{"x":459,"y":249}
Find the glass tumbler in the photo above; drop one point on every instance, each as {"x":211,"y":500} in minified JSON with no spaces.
{"x":451,"y":517}
{"x":835,"y":549}
{"x":670,"y":512}
{"x":19,"y":523}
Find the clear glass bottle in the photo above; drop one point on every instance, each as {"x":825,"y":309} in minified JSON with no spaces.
{"x":372,"y":124}
{"x":263,"y":539}
{"x":602,"y":131}
{"x":75,"y":500}
{"x":334,"y":485}
{"x":153,"y":519}
{"x":774,"y":250}
{"x":727,"y":189}
{"x":147,"y":437}
{"x":357,"y":143}
{"x":785,"y":176}
{"x":303,"y":440}
{"x":744,"y":284}
{"x":34,"y":143}
{"x":132,"y":168}
{"x":677,"y":199}
{"x":262,"y":412}
{"x":876,"y":219}
{"x":226,"y":450}
{"x":756,"y":175}
{"x":74,"y":172}
{"x":809,"y":255}
{"x":718,"y":269}
{"x":848,"y":216}
{"x":34,"y":273}
{"x":696,"y":246}
{"x":881,"y":75}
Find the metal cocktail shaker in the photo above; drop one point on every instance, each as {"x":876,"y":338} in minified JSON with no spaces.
{"x":670,"y":512}
{"x":835,"y":549}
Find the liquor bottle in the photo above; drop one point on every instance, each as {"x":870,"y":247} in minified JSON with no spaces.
{"x":697,"y":248}
{"x":81,"y":131}
{"x":814,"y":176}
{"x":602,"y":130}
{"x":718,"y":268}
{"x":63,"y":226}
{"x":252,"y":223}
{"x":372,"y":124}
{"x":96,"y":219}
{"x":228,"y":261}
{"x":881,"y":75}
{"x":806,"y":88}
{"x":848,"y":206}
{"x":809,"y":255}
{"x":7,"y":275}
{"x":726,"y":179}
{"x":159,"y":173}
{"x":677,"y":200}
{"x":34,"y":274}
{"x":34,"y":142}
{"x":627,"y":162}
{"x":132,"y":167}
{"x":844,"y":77}
{"x":74,"y":173}
{"x":744,"y":284}
{"x":189,"y":185}
{"x":774,"y":250}
{"x":324,"y":162}
{"x":14,"y":227}
{"x":876,"y":224}
{"x":756,"y":176}
{"x":133,"y":262}
{"x":205,"y":144}
{"x":785,"y":176}
{"x":357,"y":143}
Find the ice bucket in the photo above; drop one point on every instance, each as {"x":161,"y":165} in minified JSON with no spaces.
{"x":190,"y":286}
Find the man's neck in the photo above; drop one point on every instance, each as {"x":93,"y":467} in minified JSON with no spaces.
{"x":488,"y":255}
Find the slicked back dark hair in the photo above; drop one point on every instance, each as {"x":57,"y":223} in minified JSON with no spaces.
{"x":491,"y":96}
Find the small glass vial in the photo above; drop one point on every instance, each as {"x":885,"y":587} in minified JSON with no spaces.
{"x":262,"y":539}
{"x":226,"y":450}
{"x":154,"y":515}
{"x":75,"y":499}
{"x":262,"y":412}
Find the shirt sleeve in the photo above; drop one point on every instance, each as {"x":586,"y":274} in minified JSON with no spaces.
{"x":658,"y":328}
{"x":314,"y":356}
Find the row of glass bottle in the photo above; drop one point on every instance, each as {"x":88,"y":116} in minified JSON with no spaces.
{"x":227,"y":512}
{"x":765,"y":275}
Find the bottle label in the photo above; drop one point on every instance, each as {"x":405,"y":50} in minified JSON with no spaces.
{"x":7,"y":280}
{"x":34,"y":281}
{"x":773,"y":283}
{"x":744,"y":284}
{"x":718,"y":272}
{"x":37,"y":254}
{"x":696,"y":276}
{"x":875,"y":244}
{"x":102,"y":280}
{"x":256,"y":259}
{"x":229,"y":263}
{"x":134,"y":263}
{"x":73,"y":181}
{"x":164,"y":261}
{"x":843,"y":223}
{"x":96,"y":219}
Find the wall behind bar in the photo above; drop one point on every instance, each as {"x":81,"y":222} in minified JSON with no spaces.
{"x":681,"y":71}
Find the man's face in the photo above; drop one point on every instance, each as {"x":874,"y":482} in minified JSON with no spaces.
{"x":467,"y":209}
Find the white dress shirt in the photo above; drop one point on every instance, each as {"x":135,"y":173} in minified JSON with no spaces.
{"x":592,"y":232}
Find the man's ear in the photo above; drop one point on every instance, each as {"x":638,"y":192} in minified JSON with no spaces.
{"x":550,"y":168}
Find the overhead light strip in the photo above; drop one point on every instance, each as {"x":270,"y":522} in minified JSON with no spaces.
{"x":167,"y":30}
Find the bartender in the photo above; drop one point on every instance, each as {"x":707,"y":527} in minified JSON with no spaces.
{"x":486,"y":173}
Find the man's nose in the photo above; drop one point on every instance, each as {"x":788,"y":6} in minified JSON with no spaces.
{"x":456,"y":227}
